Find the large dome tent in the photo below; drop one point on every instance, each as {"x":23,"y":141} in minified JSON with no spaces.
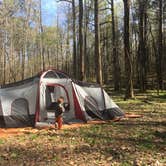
{"x":27,"y":102}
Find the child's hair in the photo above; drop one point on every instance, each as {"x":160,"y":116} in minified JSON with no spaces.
{"x":60,"y":99}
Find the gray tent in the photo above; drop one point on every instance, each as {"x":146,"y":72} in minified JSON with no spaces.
{"x":30,"y":101}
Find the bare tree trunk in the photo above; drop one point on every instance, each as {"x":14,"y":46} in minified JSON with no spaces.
{"x":81,"y":53}
{"x":24,"y":46}
{"x":128,"y":59}
{"x":107,"y":56}
{"x":61,"y":51}
{"x":57,"y":45}
{"x":160,"y":47}
{"x":23,"y":63}
{"x":57,"y":56}
{"x":74,"y":40}
{"x":103,"y":38}
{"x":67,"y":48}
{"x":98,"y":58}
{"x":142,"y":49}
{"x":116,"y":66}
{"x":48,"y":56}
{"x":11,"y":54}
{"x":85,"y":34}
{"x":4,"y":61}
{"x":41,"y":39}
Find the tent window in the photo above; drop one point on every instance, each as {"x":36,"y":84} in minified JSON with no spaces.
{"x":51,"y":74}
{"x":61,"y":75}
{"x":20,"y":107}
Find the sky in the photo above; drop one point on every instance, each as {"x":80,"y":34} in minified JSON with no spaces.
{"x":49,"y":12}
{"x":51,"y":9}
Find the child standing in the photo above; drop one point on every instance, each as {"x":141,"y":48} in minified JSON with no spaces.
{"x":59,"y":110}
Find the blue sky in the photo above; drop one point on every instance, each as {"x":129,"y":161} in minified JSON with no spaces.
{"x":51,"y":8}
{"x":49,"y":11}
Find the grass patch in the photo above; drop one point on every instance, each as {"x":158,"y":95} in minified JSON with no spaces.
{"x":1,"y":141}
{"x":33,"y":136}
{"x":146,"y":145}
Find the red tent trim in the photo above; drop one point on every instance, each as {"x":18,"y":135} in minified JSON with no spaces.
{"x":78,"y":112}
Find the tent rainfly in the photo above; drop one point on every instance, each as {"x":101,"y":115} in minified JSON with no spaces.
{"x":27,"y":102}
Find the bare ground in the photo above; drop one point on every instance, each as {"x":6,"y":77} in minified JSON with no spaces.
{"x":9,"y":132}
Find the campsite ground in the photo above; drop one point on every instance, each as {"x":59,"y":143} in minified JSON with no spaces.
{"x":136,"y":141}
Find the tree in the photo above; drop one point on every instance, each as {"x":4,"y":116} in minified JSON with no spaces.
{"x":74,"y":40}
{"x":74,"y":63}
{"x":81,"y":50}
{"x":41,"y":38}
{"x":142,"y":49}
{"x":116,"y":68}
{"x":98,"y":58}
{"x":160,"y":47}
{"x":128,"y":60}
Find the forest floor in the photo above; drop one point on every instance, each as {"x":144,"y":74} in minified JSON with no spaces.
{"x":134,"y":141}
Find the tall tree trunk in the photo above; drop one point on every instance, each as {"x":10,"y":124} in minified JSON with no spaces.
{"x":67,"y":47}
{"x":57,"y":45}
{"x":160,"y":47}
{"x":48,"y":57}
{"x":128,"y":59}
{"x":85,"y":35}
{"x":41,"y":38}
{"x":4,"y":60}
{"x":141,"y":45}
{"x":98,"y":58}
{"x":116,"y":66}
{"x":105,"y":63}
{"x":81,"y":53}
{"x":23,"y":63}
{"x":61,"y":51}
{"x":11,"y":54}
{"x":107,"y":56}
{"x":74,"y":40}
{"x":142,"y":50}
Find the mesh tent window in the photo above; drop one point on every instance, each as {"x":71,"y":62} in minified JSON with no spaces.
{"x":20,"y":107}
{"x":51,"y":74}
{"x":61,"y":75}
{"x":20,"y":114}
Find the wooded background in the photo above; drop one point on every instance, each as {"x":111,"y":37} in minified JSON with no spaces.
{"x":113,"y":42}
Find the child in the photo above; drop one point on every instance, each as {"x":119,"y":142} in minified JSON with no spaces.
{"x":59,"y":112}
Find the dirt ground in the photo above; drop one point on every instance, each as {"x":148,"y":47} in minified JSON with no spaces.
{"x":7,"y":132}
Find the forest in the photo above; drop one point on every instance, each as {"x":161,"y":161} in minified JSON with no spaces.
{"x":111,"y":42}
{"x":117,"y":45}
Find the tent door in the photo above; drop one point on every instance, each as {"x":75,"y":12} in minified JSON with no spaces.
{"x":52,"y":93}
{"x":91,"y":108}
